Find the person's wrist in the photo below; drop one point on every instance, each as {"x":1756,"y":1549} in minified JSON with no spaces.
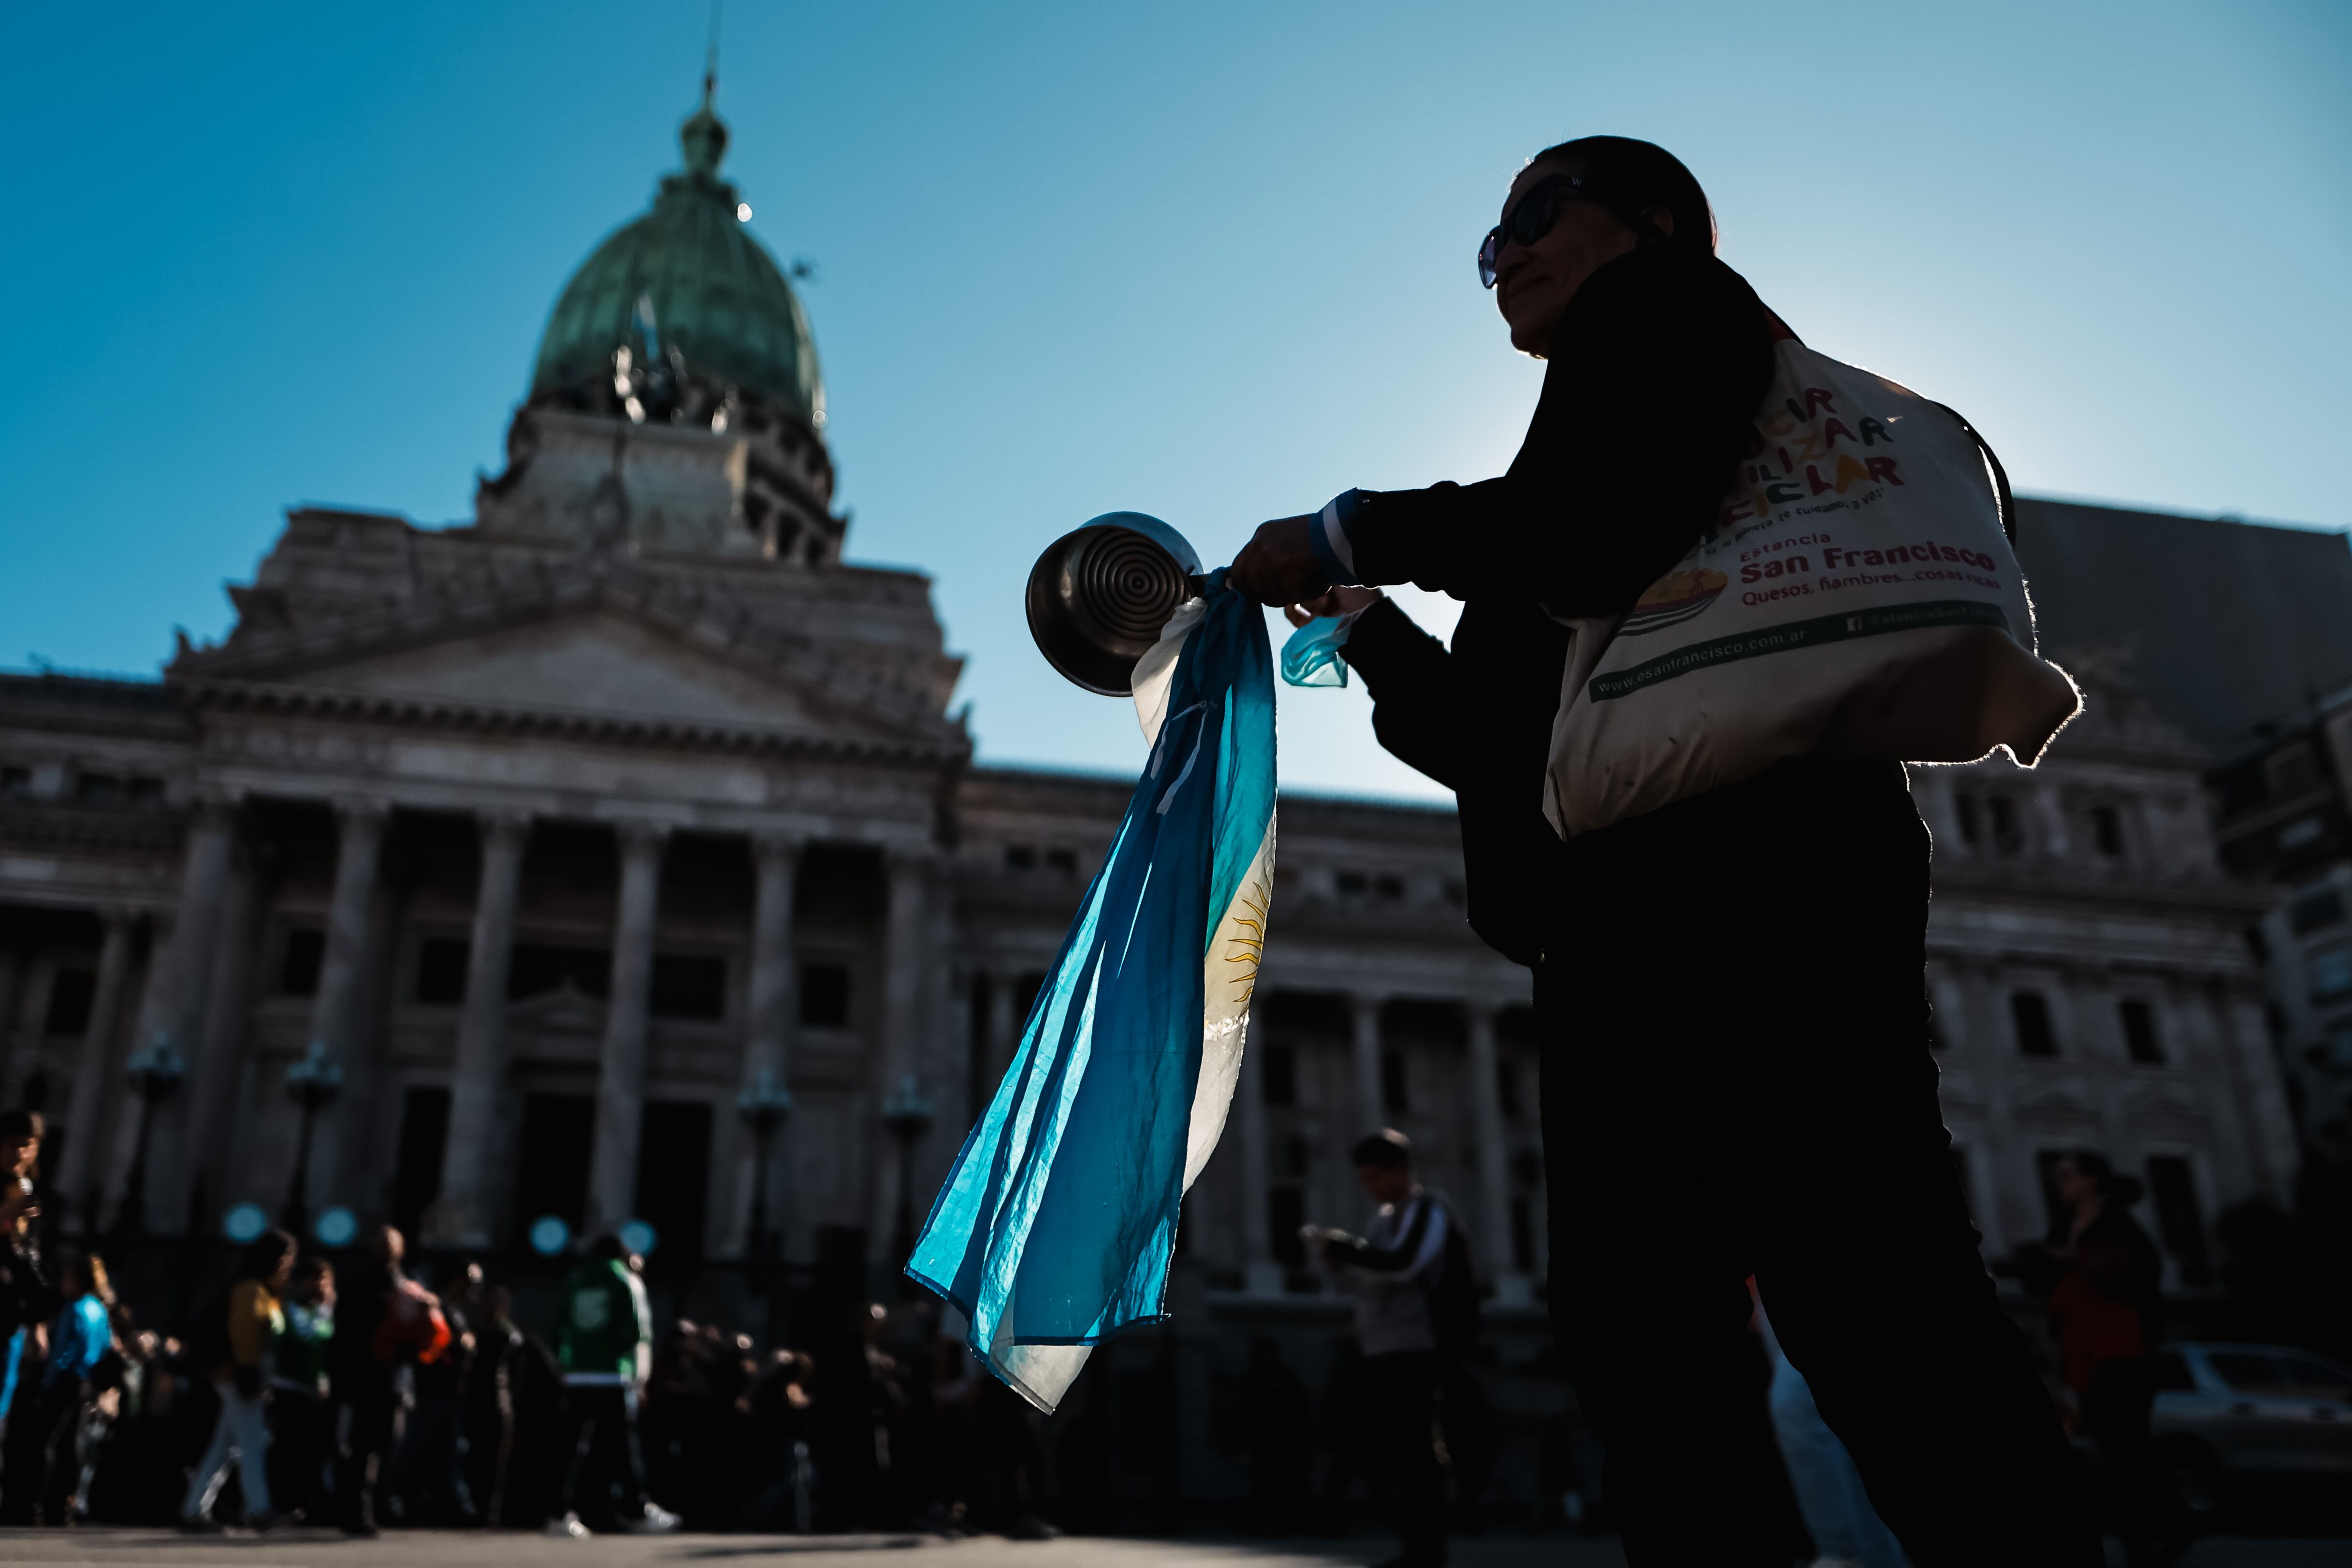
{"x":1327,"y":535}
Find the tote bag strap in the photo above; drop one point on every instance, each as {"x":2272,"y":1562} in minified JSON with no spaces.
{"x":1999,"y":475}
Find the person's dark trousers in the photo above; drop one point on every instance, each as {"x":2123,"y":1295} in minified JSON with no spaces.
{"x":1401,"y":1398}
{"x":368,"y":1407}
{"x":301,"y":1434}
{"x":1738,"y":1079}
{"x":605,"y":1475}
{"x":2117,"y":1409}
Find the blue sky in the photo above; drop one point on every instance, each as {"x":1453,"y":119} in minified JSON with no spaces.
{"x":1210,"y":261}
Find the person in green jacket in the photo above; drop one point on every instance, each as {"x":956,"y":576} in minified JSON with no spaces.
{"x":603,"y":1341}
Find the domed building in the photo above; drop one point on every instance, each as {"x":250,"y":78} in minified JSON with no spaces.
{"x":613,"y":859}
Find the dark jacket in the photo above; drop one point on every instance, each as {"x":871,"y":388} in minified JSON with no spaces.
{"x":1657,"y":372}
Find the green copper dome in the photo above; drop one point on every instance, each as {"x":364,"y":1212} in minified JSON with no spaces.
{"x":699,"y":305}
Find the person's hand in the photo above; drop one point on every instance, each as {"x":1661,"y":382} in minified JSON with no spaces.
{"x":1277,"y":566}
{"x":1341,"y":601}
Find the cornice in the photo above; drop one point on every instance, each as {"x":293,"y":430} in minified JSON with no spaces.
{"x":268,"y":700}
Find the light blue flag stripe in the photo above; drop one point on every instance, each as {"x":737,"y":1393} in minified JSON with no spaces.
{"x":1056,"y":1226}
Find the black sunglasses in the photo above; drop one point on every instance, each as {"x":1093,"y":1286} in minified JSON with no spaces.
{"x":1531,"y":219}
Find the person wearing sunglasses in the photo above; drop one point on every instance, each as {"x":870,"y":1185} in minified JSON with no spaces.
{"x":1737,"y":1075}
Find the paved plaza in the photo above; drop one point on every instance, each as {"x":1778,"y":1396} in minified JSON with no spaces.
{"x":485,"y":1549}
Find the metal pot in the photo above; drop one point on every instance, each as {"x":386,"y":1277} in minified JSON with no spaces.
{"x":1100,"y":596}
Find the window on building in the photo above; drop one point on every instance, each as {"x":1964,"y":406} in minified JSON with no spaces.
{"x":673,"y":1180}
{"x":1286,"y":1211}
{"x":98,"y":789}
{"x":2031,"y":1013}
{"x":298,"y":969}
{"x":2178,"y":1222}
{"x":1389,"y":886}
{"x":417,"y":1167}
{"x":1351,"y":884}
{"x":2339,"y":1049}
{"x":1454,"y":892}
{"x":2139,"y":1032}
{"x":2107,"y":831}
{"x":1024,"y":996}
{"x":824,"y":996}
{"x":1061,"y":862}
{"x":2302,"y":831}
{"x":2244,"y":787}
{"x":1393,"y":1082}
{"x":691,"y":985}
{"x":1020,"y":858}
{"x":15,"y":783}
{"x":551,"y":1157}
{"x":1964,"y":807}
{"x":441,"y":965}
{"x":2331,"y":971}
{"x":2257,"y":944}
{"x":1279,"y":1075}
{"x":1523,"y":1235}
{"x":1297,"y":1156}
{"x":2315,"y":911}
{"x":145,"y":792}
{"x":71,"y":994}
{"x":537,"y":968}
{"x":2008,"y":836}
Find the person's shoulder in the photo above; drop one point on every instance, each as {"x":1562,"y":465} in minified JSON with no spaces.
{"x":1660,"y":278}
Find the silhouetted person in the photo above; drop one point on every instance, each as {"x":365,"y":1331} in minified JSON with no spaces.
{"x":1392,"y":1268}
{"x":604,"y":1341}
{"x":237,"y":1362}
{"x":361,"y":1379}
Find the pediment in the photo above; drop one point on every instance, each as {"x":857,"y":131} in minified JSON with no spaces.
{"x":566,"y":1010}
{"x":598,"y":661}
{"x":590,"y":654}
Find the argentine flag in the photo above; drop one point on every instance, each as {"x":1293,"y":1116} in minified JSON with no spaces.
{"x":1057,"y":1223}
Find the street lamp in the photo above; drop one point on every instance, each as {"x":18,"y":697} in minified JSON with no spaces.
{"x":154,"y":1073}
{"x":907,"y":1115}
{"x":312,"y":1083}
{"x":764,"y":1103}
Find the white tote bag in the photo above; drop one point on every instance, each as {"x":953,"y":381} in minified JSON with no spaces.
{"x":1856,"y":597}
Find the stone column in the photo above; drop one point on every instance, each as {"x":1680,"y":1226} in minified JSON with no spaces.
{"x":173,"y":1007}
{"x":461,"y":1216}
{"x":1372,"y":1113}
{"x":1260,"y":1275}
{"x":87,"y":1106}
{"x":906,"y":962}
{"x":215,"y":1068}
{"x":773,"y":992}
{"x":1494,"y":1182}
{"x":357,"y":850}
{"x":621,"y":1068}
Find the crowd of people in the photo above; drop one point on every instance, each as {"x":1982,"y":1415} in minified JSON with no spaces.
{"x":362,"y":1396}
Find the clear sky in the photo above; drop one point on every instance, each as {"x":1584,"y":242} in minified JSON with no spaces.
{"x":1210,"y":261}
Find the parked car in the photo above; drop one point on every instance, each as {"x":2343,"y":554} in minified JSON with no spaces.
{"x":2230,"y":1416}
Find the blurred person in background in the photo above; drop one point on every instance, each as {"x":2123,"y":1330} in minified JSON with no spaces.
{"x":2099,"y":1275}
{"x":1394,"y":1270}
{"x":301,"y":1434}
{"x":360,"y":1377}
{"x":603,"y":1341}
{"x":67,"y":1422}
{"x":426,"y":1482}
{"x":250,"y":1320}
{"x":25,"y":1303}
